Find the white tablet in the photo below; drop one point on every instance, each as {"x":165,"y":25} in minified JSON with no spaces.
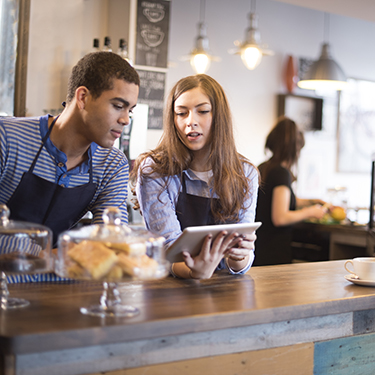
{"x":192,"y":238}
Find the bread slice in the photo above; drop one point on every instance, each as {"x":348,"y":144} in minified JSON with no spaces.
{"x":77,"y":272}
{"x":130,"y":248}
{"x":96,"y":258}
{"x":115,"y":273}
{"x":142,"y":267}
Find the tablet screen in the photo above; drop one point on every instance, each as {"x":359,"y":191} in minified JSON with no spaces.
{"x":191,"y":239}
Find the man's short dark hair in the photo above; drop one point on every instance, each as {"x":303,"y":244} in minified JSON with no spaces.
{"x":96,"y":71}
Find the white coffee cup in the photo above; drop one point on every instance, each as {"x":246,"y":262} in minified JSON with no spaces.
{"x":364,"y":268}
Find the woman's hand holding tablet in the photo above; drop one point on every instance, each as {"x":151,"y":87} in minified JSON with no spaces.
{"x":192,"y":239}
{"x":203,"y":265}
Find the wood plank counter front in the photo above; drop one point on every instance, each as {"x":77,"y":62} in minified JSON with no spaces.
{"x":301,"y":318}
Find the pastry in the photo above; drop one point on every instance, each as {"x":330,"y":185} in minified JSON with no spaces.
{"x":115,"y":273}
{"x":130,"y":248}
{"x":142,"y":267}
{"x":77,"y":272}
{"x":94,"y":257}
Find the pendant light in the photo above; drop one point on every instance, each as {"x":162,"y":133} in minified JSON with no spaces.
{"x":325,"y":73}
{"x":251,"y":50}
{"x":200,"y":57}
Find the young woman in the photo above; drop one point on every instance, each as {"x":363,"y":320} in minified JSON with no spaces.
{"x":195,"y":176}
{"x":277,"y":204}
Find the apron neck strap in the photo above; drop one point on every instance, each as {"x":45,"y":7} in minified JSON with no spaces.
{"x":90,"y":170}
{"x":183,"y":182}
{"x":31,"y":169}
{"x":49,"y":130}
{"x":44,"y":139}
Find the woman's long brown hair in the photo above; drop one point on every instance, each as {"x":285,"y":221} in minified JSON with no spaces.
{"x":171,"y":156}
{"x":285,"y":141}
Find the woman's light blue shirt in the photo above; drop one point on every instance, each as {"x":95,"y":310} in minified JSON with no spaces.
{"x":159,"y":209}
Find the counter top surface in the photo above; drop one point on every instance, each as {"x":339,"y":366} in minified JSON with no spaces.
{"x":330,"y":227}
{"x":171,"y":306}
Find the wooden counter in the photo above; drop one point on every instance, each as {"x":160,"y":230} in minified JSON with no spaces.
{"x":299,"y":310}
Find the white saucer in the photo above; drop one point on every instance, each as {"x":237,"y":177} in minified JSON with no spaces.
{"x":354,"y":279}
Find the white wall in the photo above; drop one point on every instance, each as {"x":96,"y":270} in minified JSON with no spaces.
{"x":59,"y":35}
{"x":286,"y":29}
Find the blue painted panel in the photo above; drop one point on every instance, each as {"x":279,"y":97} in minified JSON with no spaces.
{"x":345,"y":356}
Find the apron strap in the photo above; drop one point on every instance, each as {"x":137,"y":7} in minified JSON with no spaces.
{"x":31,"y":169}
{"x":90,"y":168}
{"x":183,"y":183}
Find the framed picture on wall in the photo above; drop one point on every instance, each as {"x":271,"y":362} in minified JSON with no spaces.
{"x":356,"y":127}
{"x":306,"y":111}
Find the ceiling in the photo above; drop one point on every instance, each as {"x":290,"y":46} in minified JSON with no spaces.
{"x":362,"y":9}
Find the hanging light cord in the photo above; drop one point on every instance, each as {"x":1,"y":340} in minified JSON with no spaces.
{"x":326,"y":27}
{"x":203,"y":7}
{"x":253,"y":6}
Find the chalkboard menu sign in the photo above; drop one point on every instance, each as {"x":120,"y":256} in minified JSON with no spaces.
{"x":151,"y":92}
{"x":152,"y":33}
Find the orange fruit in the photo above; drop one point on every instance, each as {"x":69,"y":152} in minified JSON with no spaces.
{"x":338,"y":213}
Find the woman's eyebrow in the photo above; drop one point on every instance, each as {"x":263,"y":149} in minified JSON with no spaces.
{"x":198,"y":105}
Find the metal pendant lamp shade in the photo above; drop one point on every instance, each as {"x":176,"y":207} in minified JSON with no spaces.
{"x":324,"y":73}
{"x":251,"y":50}
{"x":251,"y":53}
{"x":200,"y":57}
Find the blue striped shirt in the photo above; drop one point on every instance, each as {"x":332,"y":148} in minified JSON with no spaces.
{"x":20,"y":140}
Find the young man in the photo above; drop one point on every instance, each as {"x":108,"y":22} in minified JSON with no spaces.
{"x":53,"y":170}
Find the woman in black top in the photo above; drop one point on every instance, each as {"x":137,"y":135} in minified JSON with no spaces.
{"x":277,"y":204}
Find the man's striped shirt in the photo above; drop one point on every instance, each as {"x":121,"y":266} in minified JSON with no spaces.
{"x":20,"y":140}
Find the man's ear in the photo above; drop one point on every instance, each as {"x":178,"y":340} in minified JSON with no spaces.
{"x":82,"y":94}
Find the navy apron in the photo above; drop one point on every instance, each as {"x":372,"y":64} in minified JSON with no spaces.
{"x":193,"y":210}
{"x":40,"y":201}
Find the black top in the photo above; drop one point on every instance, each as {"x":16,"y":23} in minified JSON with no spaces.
{"x":273,"y":244}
